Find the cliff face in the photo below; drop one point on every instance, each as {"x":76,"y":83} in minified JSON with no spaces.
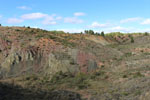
{"x":28,"y":51}
{"x":32,"y":60}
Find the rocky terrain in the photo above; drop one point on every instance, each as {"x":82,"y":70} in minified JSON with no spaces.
{"x":36,"y":64}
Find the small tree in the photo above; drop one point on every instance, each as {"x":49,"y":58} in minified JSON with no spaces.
{"x":97,"y":33}
{"x":86,"y":31}
{"x":0,"y":24}
{"x":102,"y":33}
{"x":146,"y":33}
{"x":91,"y":32}
{"x":132,"y":39}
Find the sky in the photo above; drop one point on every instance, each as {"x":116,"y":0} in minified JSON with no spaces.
{"x":78,"y":15}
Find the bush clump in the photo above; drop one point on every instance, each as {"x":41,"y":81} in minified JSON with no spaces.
{"x":78,"y":81}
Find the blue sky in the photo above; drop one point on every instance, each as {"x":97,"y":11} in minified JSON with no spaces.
{"x":78,"y":15}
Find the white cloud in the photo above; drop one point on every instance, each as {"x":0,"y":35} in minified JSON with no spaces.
{"x":120,"y":29}
{"x":51,"y":20}
{"x":47,"y":19}
{"x":144,"y":30}
{"x":73,"y":20}
{"x":126,"y":29}
{"x":58,"y":18}
{"x":52,"y":23}
{"x":98,"y":25}
{"x":24,"y":8}
{"x":130,"y":20}
{"x":1,"y":16}
{"x":146,"y":22}
{"x":14,"y":21}
{"x":79,"y":14}
{"x":71,"y":30}
{"x":33,"y":16}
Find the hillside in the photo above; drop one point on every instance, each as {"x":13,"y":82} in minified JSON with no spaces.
{"x":53,"y":65}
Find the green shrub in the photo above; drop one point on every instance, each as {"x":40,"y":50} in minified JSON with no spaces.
{"x":112,"y":34}
{"x":138,"y":92}
{"x":132,"y":39}
{"x":124,"y":76}
{"x":129,"y":54}
{"x":18,"y":30}
{"x":137,"y":74}
{"x":102,"y":33}
{"x":40,"y":35}
{"x":78,"y":81}
{"x":61,"y":77}
{"x":58,"y":32}
{"x":98,"y":34}
{"x":90,"y":32}
{"x":146,"y":33}
{"x":125,"y":93}
{"x":51,"y":37}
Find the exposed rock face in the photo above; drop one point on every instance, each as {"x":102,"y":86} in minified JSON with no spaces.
{"x":86,"y":61}
{"x":31,"y":61}
{"x":23,"y":53}
{"x":19,"y":62}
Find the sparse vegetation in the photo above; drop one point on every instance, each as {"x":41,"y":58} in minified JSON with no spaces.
{"x":58,"y":32}
{"x":79,"y":81}
{"x":36,"y":63}
{"x":138,"y":74}
{"x":114,"y":34}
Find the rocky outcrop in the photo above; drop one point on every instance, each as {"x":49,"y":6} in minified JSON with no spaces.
{"x":26,"y":51}
{"x":20,"y":62}
{"x":32,"y":60}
